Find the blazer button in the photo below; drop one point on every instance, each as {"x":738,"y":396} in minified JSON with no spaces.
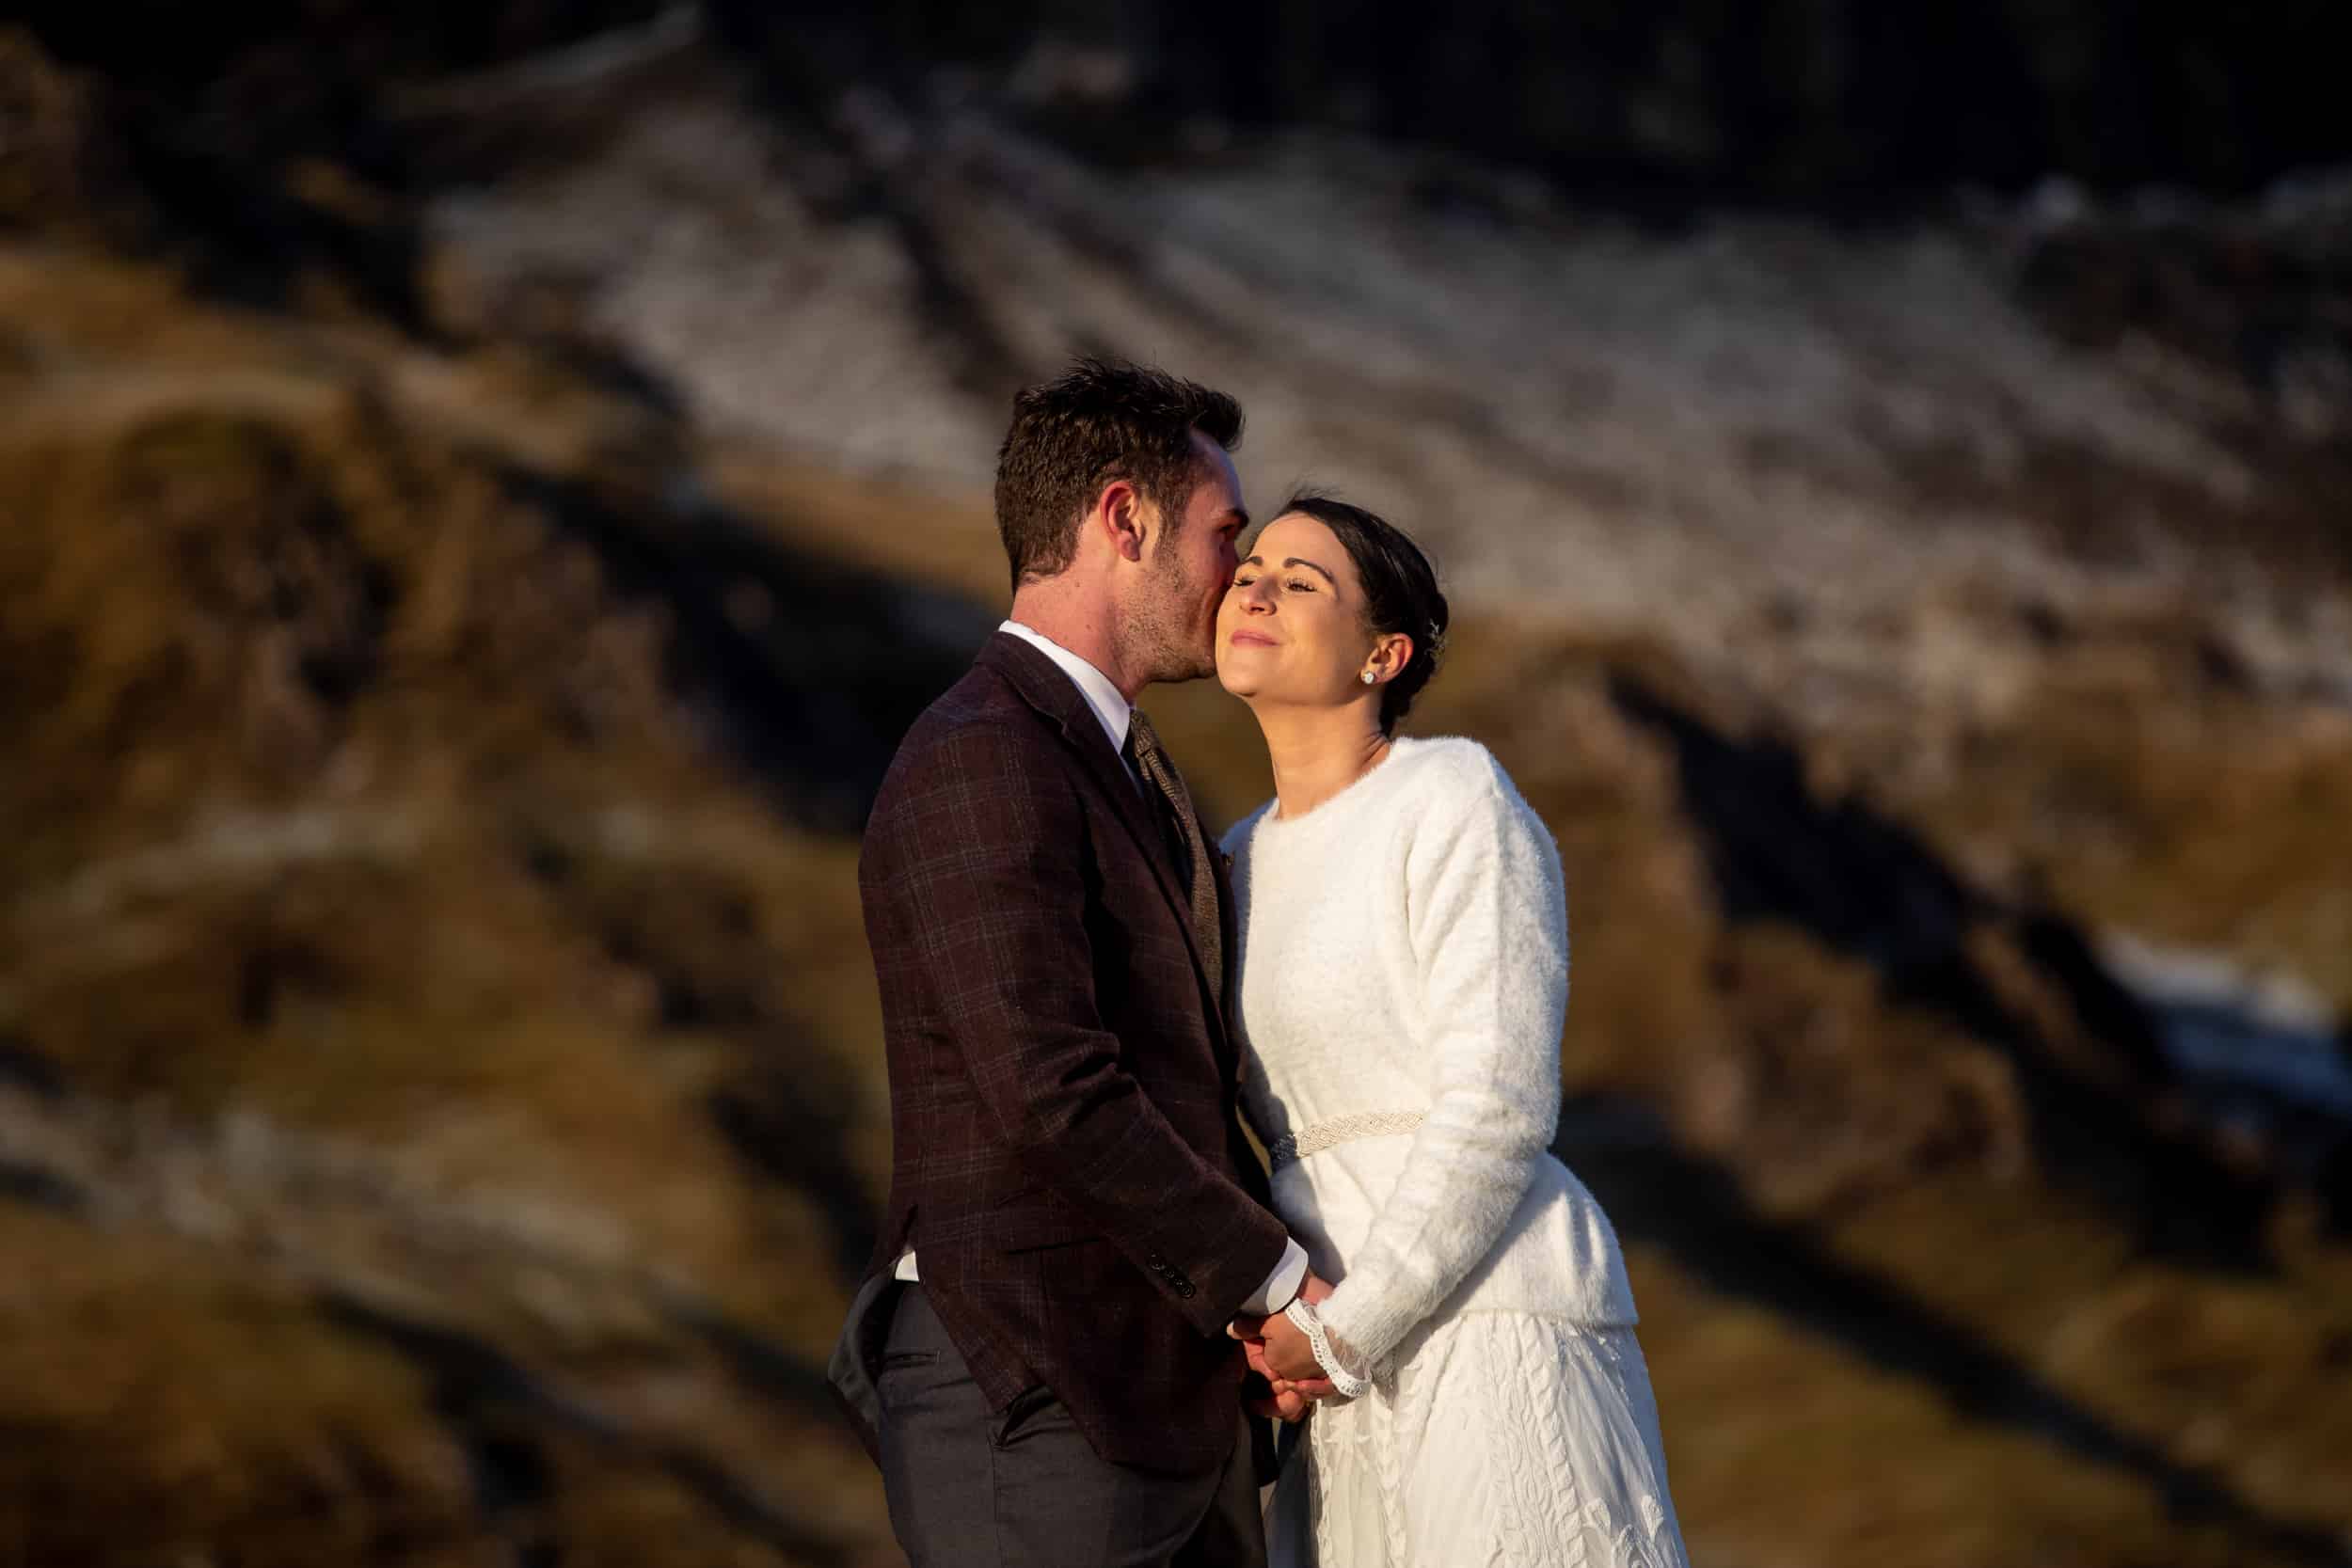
{"x":1183,"y":1289}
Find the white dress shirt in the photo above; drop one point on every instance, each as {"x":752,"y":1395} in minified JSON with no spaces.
{"x":1116,"y":713}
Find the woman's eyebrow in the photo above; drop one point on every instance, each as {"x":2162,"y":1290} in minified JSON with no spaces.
{"x":1295,"y":560}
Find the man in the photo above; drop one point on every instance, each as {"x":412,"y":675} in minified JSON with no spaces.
{"x":1041,"y":1357}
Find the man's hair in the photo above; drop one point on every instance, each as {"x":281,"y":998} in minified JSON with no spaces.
{"x":1100,"y":420}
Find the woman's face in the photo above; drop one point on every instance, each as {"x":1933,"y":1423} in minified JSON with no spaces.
{"x":1291,"y":631}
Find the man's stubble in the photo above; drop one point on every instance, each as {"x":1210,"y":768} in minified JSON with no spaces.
{"x":1165,"y":633}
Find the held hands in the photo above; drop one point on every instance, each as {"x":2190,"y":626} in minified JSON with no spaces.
{"x":1279,"y":1353}
{"x":1286,"y":1403}
{"x":1285,"y":1349}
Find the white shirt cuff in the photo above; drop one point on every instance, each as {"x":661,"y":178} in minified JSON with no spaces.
{"x":1281,"y":1286}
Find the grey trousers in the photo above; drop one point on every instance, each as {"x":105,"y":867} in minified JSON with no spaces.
{"x":973,"y":1488}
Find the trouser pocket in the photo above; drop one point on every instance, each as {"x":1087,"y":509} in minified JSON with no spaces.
{"x":1034,"y":1410}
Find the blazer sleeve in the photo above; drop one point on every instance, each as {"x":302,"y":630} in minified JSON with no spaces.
{"x":987,"y":850}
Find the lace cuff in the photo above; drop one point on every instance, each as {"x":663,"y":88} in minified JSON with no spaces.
{"x":1344,"y":1379}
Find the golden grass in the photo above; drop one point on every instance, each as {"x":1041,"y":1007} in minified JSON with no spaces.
{"x":161,"y":1401}
{"x":896,"y":525}
{"x":419,"y":933}
{"x":496,"y":923}
{"x":1784,"y":1448}
{"x":2209,"y":821}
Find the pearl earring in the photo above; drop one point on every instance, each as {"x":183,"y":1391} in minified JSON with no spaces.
{"x":1369,"y":677}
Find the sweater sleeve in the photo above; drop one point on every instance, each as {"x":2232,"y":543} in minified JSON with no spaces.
{"x":1487,"y":914}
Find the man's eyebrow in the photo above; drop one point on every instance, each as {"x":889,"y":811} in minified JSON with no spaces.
{"x":1238,"y":515}
{"x":1293,"y":561}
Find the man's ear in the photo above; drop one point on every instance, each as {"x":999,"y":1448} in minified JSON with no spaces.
{"x":1119,"y":513}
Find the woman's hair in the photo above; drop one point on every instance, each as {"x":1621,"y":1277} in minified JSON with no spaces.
{"x":1400,"y":592}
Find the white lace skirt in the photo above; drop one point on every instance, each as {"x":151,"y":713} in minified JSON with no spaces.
{"x":1488,"y":1440}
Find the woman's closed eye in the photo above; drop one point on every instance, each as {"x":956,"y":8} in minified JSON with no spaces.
{"x":1297,"y":585}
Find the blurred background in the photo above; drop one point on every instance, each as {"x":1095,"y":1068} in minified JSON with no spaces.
{"x":485,"y":487}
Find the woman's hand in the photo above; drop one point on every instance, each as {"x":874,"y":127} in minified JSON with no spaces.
{"x":1296,"y":1379}
{"x":1277,"y":1349}
{"x":1288,"y":1391}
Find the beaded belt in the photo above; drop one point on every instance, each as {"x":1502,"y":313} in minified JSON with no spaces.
{"x":1294,"y":1147}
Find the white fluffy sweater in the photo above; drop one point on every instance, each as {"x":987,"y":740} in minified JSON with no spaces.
{"x":1405,"y":948}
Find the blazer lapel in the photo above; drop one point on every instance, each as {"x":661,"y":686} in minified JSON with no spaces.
{"x":1053,"y":694}
{"x":1228,"y":933}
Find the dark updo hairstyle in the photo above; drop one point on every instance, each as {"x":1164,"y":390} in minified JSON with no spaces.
{"x":1400,"y":592}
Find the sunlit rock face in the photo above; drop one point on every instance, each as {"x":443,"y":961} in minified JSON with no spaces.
{"x":477,"y":530}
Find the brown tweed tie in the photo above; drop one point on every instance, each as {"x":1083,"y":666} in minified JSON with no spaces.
{"x":1143,"y":746}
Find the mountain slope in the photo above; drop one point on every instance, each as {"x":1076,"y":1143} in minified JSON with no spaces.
{"x":453,"y":627}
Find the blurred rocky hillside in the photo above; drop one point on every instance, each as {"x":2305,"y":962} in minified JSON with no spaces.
{"x":487,"y":490}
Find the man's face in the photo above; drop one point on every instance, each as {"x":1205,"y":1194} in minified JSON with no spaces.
{"x":1169,"y":621}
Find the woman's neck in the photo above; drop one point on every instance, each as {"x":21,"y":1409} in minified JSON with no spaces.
{"x":1317,"y":752}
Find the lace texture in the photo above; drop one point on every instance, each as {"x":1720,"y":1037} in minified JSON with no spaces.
{"x":1293,"y":1147}
{"x":1344,"y":1377}
{"x":1491,"y":1440}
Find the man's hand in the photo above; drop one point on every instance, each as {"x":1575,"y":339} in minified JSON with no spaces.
{"x":1304,"y":1390}
{"x":1288,"y":1406}
{"x":1279,"y":1353}
{"x":1288,"y":1356}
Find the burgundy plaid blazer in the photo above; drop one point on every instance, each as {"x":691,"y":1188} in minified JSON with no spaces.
{"x":1069,"y":1162}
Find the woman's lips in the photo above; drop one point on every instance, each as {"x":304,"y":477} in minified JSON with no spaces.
{"x":1257,"y":638}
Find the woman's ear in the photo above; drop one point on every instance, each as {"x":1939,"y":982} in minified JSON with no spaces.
{"x":1390,"y":654}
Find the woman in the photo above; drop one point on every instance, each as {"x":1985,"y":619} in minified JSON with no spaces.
{"x":1403,"y":978}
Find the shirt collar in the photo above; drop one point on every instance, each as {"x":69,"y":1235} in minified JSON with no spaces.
{"x":1112,"y":709}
